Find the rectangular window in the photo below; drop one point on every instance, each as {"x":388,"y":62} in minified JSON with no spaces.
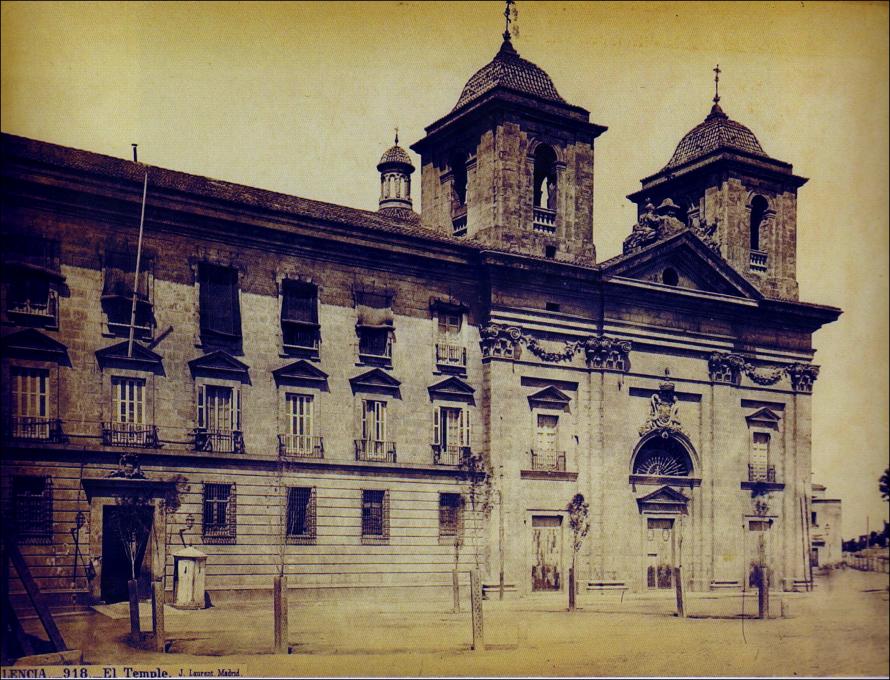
{"x":219,"y":419}
{"x":759,"y":456}
{"x":375,"y":515}
{"x":128,"y":397}
{"x":30,"y":403}
{"x":299,"y":438}
{"x":450,"y":514}
{"x":220,"y":306}
{"x":451,"y":435}
{"x":219,"y":518}
{"x":546,"y":436}
{"x":449,"y":325}
{"x":301,"y":515}
{"x":374,"y":324}
{"x":117,"y":293}
{"x":373,"y":420}
{"x":299,"y":314}
{"x":450,"y":350}
{"x":32,"y":509}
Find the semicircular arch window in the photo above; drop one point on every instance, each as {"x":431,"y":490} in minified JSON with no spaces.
{"x":663,"y":458}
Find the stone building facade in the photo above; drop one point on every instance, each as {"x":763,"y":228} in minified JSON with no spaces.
{"x":341,"y":394}
{"x":826,"y":540}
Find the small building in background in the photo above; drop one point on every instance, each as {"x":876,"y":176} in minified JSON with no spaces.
{"x":825,"y":528}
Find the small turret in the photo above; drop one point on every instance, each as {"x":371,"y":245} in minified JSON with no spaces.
{"x":395,"y":168}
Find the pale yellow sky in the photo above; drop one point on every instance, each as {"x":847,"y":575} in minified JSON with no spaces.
{"x":302,"y":98}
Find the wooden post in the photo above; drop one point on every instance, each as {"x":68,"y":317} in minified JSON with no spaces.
{"x":133,"y":591}
{"x":157,"y":615}
{"x":762,"y":584}
{"x":455,"y":590}
{"x":681,"y":595}
{"x":571,"y":589}
{"x":279,"y":597}
{"x":476,"y":608}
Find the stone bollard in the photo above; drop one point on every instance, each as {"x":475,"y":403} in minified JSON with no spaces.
{"x":157,"y":615}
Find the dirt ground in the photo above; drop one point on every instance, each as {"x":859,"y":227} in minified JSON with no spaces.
{"x":839,"y":629}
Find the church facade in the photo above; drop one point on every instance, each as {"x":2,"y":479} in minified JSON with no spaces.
{"x":362,"y":400}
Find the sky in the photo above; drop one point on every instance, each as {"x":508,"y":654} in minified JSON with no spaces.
{"x":302,"y":98}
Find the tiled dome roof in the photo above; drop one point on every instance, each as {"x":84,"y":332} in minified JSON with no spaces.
{"x":717,"y":131}
{"x":395,"y":154}
{"x":510,"y":71}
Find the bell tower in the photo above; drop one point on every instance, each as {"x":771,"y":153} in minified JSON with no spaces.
{"x":743,"y":200}
{"x":511,"y":165}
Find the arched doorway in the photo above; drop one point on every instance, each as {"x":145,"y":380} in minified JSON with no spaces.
{"x":665,"y":460}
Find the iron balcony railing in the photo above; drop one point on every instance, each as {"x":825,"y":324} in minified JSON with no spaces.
{"x":761,"y":473}
{"x":45,"y":309}
{"x":36,"y":429}
{"x":553,"y":461}
{"x":299,"y":336}
{"x":222,"y":441}
{"x":544,"y":220}
{"x":448,"y":354}
{"x":459,"y":225}
{"x":130,"y":434}
{"x":300,"y":446}
{"x":448,"y":454}
{"x":375,"y":451}
{"x":758,"y":261}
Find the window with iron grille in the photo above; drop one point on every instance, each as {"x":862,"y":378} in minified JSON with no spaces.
{"x":220,"y":306}
{"x":32,"y":509}
{"x":117,"y":293}
{"x":301,"y":525}
{"x":220,"y":514}
{"x":375,"y":516}
{"x":299,"y":315}
{"x":450,"y":514}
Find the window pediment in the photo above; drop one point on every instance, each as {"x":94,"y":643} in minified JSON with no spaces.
{"x":300,"y":372}
{"x":143,"y":359}
{"x":664,"y":499}
{"x":549,"y":397}
{"x":451,"y":388}
{"x":220,"y":364}
{"x":764,"y":417}
{"x":32,"y":344}
{"x":375,"y":380}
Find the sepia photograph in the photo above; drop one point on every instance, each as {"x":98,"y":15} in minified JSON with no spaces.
{"x":505,"y":338}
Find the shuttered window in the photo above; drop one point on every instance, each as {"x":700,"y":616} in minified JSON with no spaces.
{"x":299,"y":314}
{"x":220,"y":308}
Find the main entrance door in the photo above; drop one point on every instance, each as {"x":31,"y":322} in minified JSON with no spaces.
{"x":659,"y":551}
{"x":546,"y":552}
{"x":118,"y":524}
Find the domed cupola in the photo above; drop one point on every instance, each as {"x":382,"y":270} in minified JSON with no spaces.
{"x":717,"y":132}
{"x":509,"y":71}
{"x":395,"y":168}
{"x":740,"y":201}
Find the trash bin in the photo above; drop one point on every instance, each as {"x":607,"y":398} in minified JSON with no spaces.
{"x":189,"y":566}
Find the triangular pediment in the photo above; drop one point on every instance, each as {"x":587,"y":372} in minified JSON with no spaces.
{"x":696,"y":267}
{"x":300,"y":371}
{"x":451,"y":388}
{"x":664,"y":499}
{"x":142,"y":359}
{"x":551,"y":397}
{"x":764,"y":416}
{"x":375,"y":380}
{"x":220,"y":364}
{"x":32,"y":344}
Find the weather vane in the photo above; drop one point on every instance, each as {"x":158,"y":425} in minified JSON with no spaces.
{"x":717,"y":83}
{"x":507,"y":17}
{"x":397,"y":133}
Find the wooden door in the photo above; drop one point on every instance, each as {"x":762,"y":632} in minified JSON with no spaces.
{"x":546,"y":553}
{"x":659,"y":553}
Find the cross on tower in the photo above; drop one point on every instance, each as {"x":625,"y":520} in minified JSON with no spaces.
{"x":509,"y":4}
{"x":717,"y":83}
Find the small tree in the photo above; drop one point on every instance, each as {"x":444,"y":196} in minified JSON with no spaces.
{"x":579,"y":523}
{"x":884,"y":485}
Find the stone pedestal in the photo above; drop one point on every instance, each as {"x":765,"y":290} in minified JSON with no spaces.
{"x":189,"y":567}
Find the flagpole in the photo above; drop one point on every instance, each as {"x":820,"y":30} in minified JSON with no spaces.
{"x":136,"y":276}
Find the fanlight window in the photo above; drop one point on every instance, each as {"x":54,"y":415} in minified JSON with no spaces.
{"x":663,"y":458}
